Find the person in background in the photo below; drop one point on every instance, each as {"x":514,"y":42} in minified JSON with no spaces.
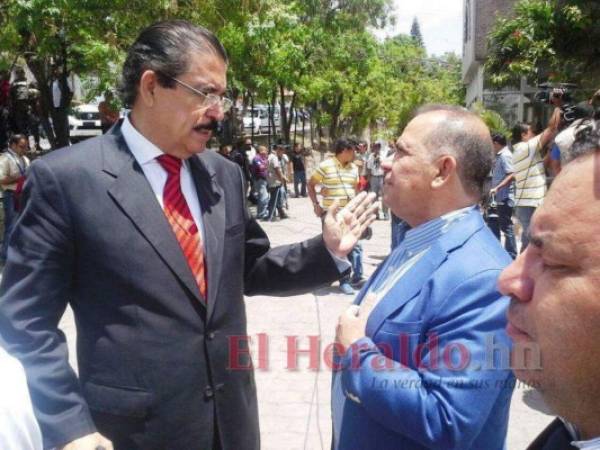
{"x":13,"y":166}
{"x":375,"y":175}
{"x":4,"y":107}
{"x":338,"y":177}
{"x":260,"y":170}
{"x":275,"y":182}
{"x":225,"y":150}
{"x":109,"y":114}
{"x":530,"y":175}
{"x":360,"y":160}
{"x":554,"y":313}
{"x":503,"y":193}
{"x":298,"y":161}
{"x":20,"y":102}
{"x":286,"y":170}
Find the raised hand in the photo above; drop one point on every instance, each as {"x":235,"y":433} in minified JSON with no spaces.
{"x":342,"y":228}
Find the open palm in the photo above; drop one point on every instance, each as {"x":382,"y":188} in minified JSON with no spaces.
{"x":342,"y":228}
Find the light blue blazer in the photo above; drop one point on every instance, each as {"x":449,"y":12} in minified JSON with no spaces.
{"x":440,"y":377}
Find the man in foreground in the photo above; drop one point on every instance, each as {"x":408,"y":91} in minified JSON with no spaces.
{"x":424,"y":360}
{"x":554,"y":314}
{"x":147,"y":237}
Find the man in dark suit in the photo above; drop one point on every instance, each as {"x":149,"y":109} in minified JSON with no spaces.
{"x":147,"y":237}
{"x":554,"y":314}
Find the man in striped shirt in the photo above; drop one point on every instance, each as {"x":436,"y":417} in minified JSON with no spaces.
{"x":530,"y":175}
{"x":338,"y":178}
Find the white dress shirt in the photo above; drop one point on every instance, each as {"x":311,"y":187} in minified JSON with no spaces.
{"x":19,"y":429}
{"x":145,"y":153}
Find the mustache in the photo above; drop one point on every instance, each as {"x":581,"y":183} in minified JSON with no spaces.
{"x":213,"y":125}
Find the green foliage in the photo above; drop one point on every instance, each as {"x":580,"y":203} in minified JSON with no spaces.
{"x":554,"y":39}
{"x":317,"y":54}
{"x":492,"y":119}
{"x":415,"y":33}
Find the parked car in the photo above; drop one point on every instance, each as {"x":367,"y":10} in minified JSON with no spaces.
{"x":84,"y":122}
{"x":251,"y":120}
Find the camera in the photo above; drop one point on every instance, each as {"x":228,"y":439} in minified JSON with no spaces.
{"x":550,"y":93}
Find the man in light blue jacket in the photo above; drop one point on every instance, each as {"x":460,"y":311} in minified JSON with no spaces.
{"x":423,"y":355}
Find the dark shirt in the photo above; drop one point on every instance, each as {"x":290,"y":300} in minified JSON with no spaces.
{"x":298,"y":162}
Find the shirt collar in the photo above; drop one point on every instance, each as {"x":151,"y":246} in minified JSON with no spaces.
{"x":590,"y":444}
{"x":421,"y":237}
{"x":143,"y":150}
{"x":339,"y":163}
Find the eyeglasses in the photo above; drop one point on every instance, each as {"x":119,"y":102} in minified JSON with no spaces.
{"x":209,"y":99}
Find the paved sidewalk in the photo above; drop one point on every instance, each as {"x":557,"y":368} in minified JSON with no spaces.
{"x":294,"y":404}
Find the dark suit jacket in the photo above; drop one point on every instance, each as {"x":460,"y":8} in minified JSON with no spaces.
{"x":153,"y":359}
{"x":554,"y":437}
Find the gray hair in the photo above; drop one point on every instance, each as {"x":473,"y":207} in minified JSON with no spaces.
{"x":473,"y":150}
{"x":165,"y":48}
{"x":587,"y":140}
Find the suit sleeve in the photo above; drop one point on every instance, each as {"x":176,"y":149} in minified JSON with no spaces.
{"x":447,"y":401}
{"x":285,"y":270}
{"x":34,"y":293}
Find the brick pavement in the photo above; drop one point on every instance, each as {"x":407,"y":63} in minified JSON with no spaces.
{"x":294,"y":405}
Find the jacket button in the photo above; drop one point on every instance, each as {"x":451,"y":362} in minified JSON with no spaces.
{"x":210,"y":336}
{"x":208,"y":392}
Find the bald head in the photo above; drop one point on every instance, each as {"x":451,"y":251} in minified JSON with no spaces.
{"x":455,"y":131}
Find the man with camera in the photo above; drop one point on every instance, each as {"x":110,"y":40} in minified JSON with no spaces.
{"x":530,"y":174}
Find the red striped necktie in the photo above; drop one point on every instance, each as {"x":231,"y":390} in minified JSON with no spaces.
{"x":178,"y":213}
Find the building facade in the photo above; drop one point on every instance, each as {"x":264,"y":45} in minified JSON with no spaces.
{"x":478,"y":20}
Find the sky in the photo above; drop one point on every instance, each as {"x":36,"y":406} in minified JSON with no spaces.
{"x":441,"y":23}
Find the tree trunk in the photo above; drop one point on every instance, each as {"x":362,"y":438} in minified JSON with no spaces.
{"x":335,"y":117}
{"x":285,"y":129}
{"x":40,"y":70}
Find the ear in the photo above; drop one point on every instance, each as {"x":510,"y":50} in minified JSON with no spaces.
{"x":446,"y":167}
{"x":148,"y":83}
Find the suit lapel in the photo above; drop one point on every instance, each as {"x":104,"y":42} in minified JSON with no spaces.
{"x":134,"y":195}
{"x":412,"y":282}
{"x":211,"y":198}
{"x":406,"y":288}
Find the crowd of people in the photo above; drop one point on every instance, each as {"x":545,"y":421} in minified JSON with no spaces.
{"x":147,"y":237}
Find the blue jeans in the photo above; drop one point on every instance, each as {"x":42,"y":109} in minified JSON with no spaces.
{"x":355,"y":258}
{"x":10,"y":215}
{"x":300,"y":180}
{"x":262,"y":200}
{"x":504,"y":223}
{"x":524,"y":214}
{"x":276,"y":202}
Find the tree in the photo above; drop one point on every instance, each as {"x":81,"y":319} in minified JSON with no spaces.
{"x":87,"y":37}
{"x":415,"y":33}
{"x":551,"y":40}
